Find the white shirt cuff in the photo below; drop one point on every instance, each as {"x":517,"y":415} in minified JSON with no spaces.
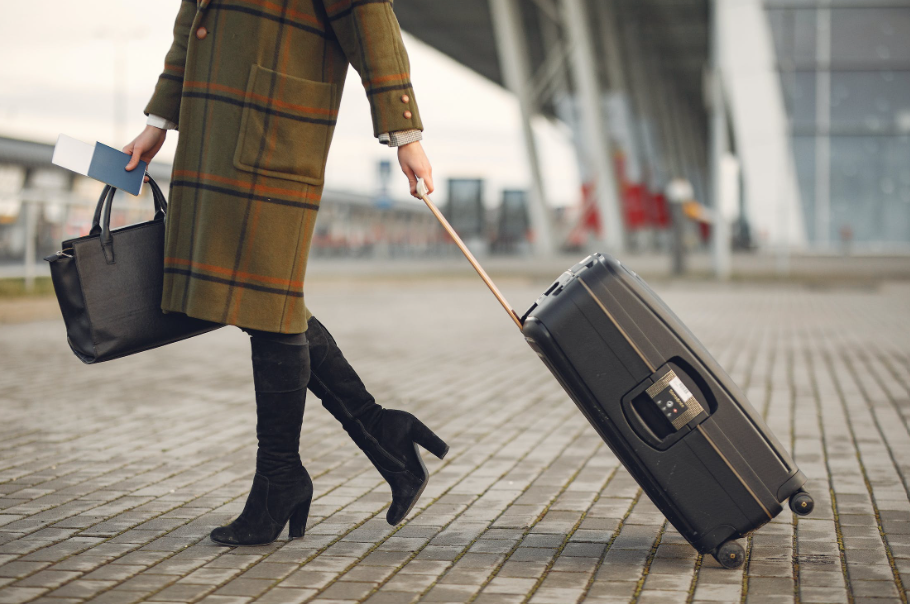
{"x":160,"y":122}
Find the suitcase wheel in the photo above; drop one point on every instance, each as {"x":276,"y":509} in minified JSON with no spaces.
{"x":730,"y":554}
{"x":802,"y":503}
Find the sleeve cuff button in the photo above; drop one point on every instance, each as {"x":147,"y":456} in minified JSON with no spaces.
{"x":407,"y":115}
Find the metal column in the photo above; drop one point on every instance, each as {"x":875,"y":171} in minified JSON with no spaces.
{"x":720,"y":230}
{"x":31,"y":242}
{"x":513,"y":60}
{"x":616,"y":71}
{"x":643,"y":93}
{"x":823,"y":126}
{"x":584,"y":71}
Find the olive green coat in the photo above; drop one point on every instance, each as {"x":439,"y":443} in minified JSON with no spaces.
{"x":255,"y":95}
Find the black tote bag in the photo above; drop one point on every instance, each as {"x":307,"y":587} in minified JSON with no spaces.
{"x":109,"y":283}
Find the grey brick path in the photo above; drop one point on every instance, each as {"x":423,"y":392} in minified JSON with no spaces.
{"x":111,"y":476}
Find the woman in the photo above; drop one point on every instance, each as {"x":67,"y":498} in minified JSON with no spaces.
{"x":254,"y":88}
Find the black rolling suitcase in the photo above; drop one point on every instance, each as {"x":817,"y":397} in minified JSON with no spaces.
{"x":667,"y":410}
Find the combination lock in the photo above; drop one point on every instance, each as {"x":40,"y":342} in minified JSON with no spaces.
{"x":674,"y":399}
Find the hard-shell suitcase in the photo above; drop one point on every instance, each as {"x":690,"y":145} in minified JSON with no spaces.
{"x":665,"y":407}
{"x":660,"y":401}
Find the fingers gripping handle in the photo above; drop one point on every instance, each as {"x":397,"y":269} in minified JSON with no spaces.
{"x":422,"y":188}
{"x":422,"y":191}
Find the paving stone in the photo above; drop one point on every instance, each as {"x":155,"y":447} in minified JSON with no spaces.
{"x":48,"y":578}
{"x":181,"y":592}
{"x":664,"y":597}
{"x":717,"y":593}
{"x":15,"y":595}
{"x":410,"y":583}
{"x":823,"y":595}
{"x":504,"y":585}
{"x":392,"y":597}
{"x":113,"y":596}
{"x":471,"y":576}
{"x":557,"y":579}
{"x":114,"y":572}
{"x":244,"y":587}
{"x":81,"y":588}
{"x":875,"y":589}
{"x":280,"y":595}
{"x":514,"y":568}
{"x":347,"y":590}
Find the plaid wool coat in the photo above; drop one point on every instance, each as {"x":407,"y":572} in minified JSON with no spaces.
{"x":255,"y":86}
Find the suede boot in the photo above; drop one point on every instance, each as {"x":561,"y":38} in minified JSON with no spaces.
{"x":282,"y":490}
{"x":388,"y":437}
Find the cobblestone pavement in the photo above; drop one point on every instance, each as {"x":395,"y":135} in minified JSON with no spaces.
{"x":112,"y":476}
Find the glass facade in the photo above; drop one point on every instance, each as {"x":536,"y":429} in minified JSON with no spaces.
{"x":845,"y":71}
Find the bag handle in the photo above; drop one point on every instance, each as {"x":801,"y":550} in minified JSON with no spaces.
{"x":102,"y":226}
{"x":108,"y":192}
{"x":422,"y":191}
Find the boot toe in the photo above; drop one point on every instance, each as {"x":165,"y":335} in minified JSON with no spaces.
{"x":406,"y":490}
{"x":400,"y":509}
{"x":223,"y":535}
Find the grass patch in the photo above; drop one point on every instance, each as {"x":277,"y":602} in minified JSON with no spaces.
{"x":16,"y":287}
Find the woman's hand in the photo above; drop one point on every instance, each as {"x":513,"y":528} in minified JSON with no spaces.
{"x":145,"y":146}
{"x":414,"y":164}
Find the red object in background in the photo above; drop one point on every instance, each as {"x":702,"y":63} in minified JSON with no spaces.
{"x":634,"y":201}
{"x":633,"y":208}
{"x":660,"y":211}
{"x":704,"y":229}
{"x":640,"y":207}
{"x":590,"y":217}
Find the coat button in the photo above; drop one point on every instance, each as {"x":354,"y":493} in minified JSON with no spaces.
{"x":407,"y":115}
{"x":405,"y":98}
{"x":201,"y":33}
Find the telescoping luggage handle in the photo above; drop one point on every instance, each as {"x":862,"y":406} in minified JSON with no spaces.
{"x":422,"y":191}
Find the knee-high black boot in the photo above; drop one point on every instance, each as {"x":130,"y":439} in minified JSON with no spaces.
{"x":282,"y":489}
{"x":388,"y":437}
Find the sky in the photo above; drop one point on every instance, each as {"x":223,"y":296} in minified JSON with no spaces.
{"x":57,"y":75}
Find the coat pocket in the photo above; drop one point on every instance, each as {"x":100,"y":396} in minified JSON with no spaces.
{"x":286,"y":126}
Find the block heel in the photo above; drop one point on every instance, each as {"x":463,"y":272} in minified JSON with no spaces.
{"x":427,"y":439}
{"x":269,"y":507}
{"x":298,"y":519}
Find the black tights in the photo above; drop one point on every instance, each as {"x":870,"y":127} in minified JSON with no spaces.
{"x":296,"y":339}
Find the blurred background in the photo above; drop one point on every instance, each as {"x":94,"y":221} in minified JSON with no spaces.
{"x":703,"y":137}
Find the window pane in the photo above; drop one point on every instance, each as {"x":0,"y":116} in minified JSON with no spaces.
{"x":870,"y":101}
{"x":879,"y":37}
{"x":794,"y":35}
{"x":870,"y":188}
{"x":799,"y":93}
{"x":804,"y":157}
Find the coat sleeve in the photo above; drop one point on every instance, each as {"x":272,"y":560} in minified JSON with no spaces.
{"x":165,"y":100}
{"x":370,"y":37}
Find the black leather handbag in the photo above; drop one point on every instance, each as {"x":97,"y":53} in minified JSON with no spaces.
{"x":109,"y":283}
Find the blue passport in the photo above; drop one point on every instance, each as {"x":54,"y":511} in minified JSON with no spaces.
{"x":109,"y":165}
{"x":100,"y":162}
